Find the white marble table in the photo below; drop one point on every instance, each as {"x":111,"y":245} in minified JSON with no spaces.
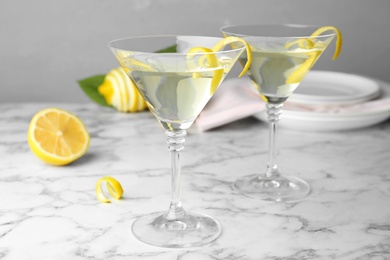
{"x":51,"y":212}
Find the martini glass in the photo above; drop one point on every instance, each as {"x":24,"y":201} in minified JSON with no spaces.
{"x":281,"y":57}
{"x":176,"y":86}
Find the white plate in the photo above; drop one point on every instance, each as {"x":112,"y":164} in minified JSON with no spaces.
{"x":327,"y":87}
{"x":308,"y":117}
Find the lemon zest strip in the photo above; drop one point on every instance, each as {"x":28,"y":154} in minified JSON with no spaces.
{"x":339,"y":41}
{"x":307,"y":43}
{"x":212,"y":63}
{"x":298,"y":75}
{"x":231,"y":39}
{"x":113,"y":186}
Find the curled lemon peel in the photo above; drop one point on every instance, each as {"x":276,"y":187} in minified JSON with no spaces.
{"x":212,"y":62}
{"x":339,"y":40}
{"x":298,"y":75}
{"x":302,"y":43}
{"x":229,"y":40}
{"x":113,"y":186}
{"x":307,"y":43}
{"x":138,"y":64}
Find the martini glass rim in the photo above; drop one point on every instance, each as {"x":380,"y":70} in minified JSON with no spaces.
{"x":111,"y":43}
{"x":271,"y":25}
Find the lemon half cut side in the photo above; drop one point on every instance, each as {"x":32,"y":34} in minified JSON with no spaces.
{"x":57,"y":137}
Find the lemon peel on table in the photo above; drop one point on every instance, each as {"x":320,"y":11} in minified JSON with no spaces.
{"x":212,"y":63}
{"x":229,"y":40}
{"x":113,"y":186}
{"x":57,"y":136}
{"x":120,"y":92}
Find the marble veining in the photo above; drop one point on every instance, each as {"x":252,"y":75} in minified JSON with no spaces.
{"x":51,"y":212}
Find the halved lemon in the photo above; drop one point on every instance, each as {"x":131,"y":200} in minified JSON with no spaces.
{"x":57,"y":137}
{"x":113,"y":186}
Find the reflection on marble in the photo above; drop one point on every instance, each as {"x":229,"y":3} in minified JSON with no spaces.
{"x":51,"y":212}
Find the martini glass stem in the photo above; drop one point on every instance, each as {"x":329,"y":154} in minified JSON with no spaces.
{"x":273,"y":111}
{"x":175,"y":142}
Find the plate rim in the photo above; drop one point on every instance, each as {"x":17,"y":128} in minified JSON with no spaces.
{"x":345,"y":120}
{"x":321,"y":100}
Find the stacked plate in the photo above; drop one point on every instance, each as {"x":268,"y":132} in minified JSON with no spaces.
{"x":330,"y":101}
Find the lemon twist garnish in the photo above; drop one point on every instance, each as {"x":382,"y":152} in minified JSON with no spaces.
{"x":113,"y":186}
{"x":212,"y":63}
{"x":57,"y":137}
{"x":339,"y":41}
{"x":307,"y":43}
{"x":302,"y":43}
{"x":133,"y":63}
{"x":298,"y":75}
{"x":230,"y":40}
{"x":127,"y":60}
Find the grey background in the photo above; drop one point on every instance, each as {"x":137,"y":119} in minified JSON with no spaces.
{"x":47,"y":45}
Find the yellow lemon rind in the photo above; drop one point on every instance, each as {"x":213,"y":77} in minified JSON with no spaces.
{"x":51,"y":158}
{"x":307,"y":43}
{"x":122,"y":89}
{"x":113,"y":186}
{"x":125,"y":96}
{"x":231,"y":39}
{"x":132,"y":102}
{"x":117,"y":99}
{"x":339,"y":40}
{"x":212,"y":62}
{"x":298,"y":75}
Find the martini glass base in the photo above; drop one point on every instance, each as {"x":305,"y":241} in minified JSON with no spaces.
{"x":194,"y":229}
{"x":283,"y":188}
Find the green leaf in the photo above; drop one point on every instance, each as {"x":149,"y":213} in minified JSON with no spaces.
{"x":168,"y":49}
{"x":90,"y":87}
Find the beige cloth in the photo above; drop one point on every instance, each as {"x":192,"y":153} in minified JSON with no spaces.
{"x":235,"y":99}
